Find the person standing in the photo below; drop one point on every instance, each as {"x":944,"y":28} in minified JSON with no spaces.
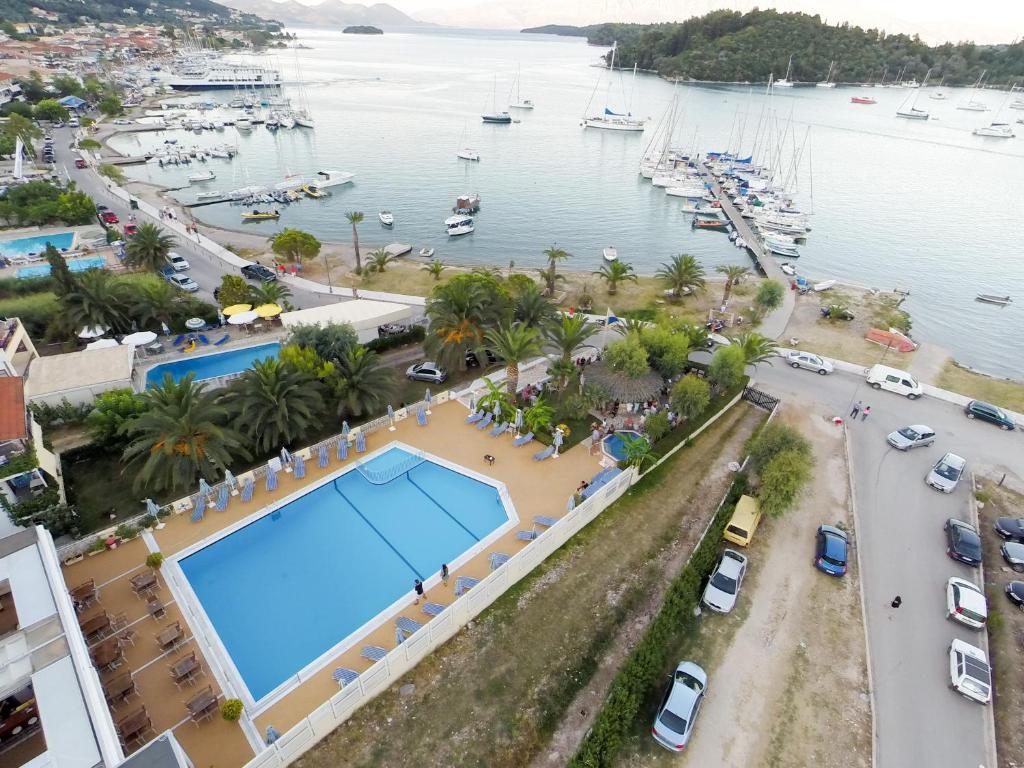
{"x":865,"y":413}
{"x":418,"y":589}
{"x":444,"y":573}
{"x":855,"y":410}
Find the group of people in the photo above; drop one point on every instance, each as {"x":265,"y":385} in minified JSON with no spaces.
{"x":863,"y":410}
{"x":417,"y":585}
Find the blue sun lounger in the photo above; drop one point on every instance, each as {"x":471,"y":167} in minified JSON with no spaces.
{"x":433,"y":609}
{"x":343,"y":676}
{"x":407,"y":625}
{"x":463,"y":584}
{"x":486,"y":421}
{"x":474,"y":417}
{"x":179,"y":340}
{"x":421,"y":417}
{"x":499,"y":430}
{"x":523,"y":440}
{"x":498,"y":559}
{"x":203,"y":339}
{"x":373,"y":652}
{"x":527,"y":535}
{"x":546,"y":453}
{"x":222,"y":339}
{"x":544,"y":520}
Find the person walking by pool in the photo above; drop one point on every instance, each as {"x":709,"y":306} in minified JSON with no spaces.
{"x":865,"y":413}
{"x":855,"y":410}
{"x":418,"y":589}
{"x":444,"y":574}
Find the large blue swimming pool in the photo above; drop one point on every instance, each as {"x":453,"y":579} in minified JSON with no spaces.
{"x":74,"y":265}
{"x":288,"y":587}
{"x":22,"y":246}
{"x":212,"y":365}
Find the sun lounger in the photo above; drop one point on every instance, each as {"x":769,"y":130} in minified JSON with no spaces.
{"x":486,"y":421}
{"x":373,"y":652}
{"x":499,"y":430}
{"x":526,"y":535}
{"x":547,"y":522}
{"x":407,"y":625}
{"x":197,"y":513}
{"x":222,"y":339}
{"x":433,"y":609}
{"x":523,"y":440}
{"x":498,"y":559}
{"x":464,"y":583}
{"x":179,"y":340}
{"x":343,"y":676}
{"x":421,"y":417}
{"x":546,"y":453}
{"x":473,"y":418}
{"x":203,"y":339}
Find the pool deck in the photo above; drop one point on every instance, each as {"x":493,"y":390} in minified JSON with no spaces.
{"x":536,"y":488}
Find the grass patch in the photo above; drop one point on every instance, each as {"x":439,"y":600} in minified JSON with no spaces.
{"x":1001,"y":392}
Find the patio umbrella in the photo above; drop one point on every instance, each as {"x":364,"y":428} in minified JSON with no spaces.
{"x":101,"y":344}
{"x":151,"y":507}
{"x":472,"y":403}
{"x":247,"y":489}
{"x":93,"y":332}
{"x":360,"y":442}
{"x":518,"y":423}
{"x":220,"y":317}
{"x":272,"y":735}
{"x":204,"y":487}
{"x":344,"y":429}
{"x":391,"y":418}
{"x":165,"y":329}
{"x":300,"y":467}
{"x":497,"y":412}
{"x":139,"y":339}
{"x":399,"y":636}
{"x":342,"y":449}
{"x":236,"y":309}
{"x":200,"y":507}
{"x":571,"y":505}
{"x":242,"y":318}
{"x":268,"y":310}
{"x":271,"y":479}
{"x":222,"y":498}
{"x":195,"y":323}
{"x":556,"y":440}
{"x":426,"y":400}
{"x":231,"y":482}
{"x":286,"y":456}
{"x":324,"y":458}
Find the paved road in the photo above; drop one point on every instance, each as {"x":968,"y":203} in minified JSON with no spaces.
{"x":920,"y":721}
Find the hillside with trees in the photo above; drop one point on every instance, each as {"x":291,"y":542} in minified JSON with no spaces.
{"x":728,"y":46}
{"x":124,"y":11}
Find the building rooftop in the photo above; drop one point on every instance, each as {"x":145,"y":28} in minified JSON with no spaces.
{"x":13,"y":424}
{"x":75,"y":370}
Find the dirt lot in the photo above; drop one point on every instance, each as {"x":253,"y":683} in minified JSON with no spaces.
{"x":1005,"y":624}
{"x":787,"y":668}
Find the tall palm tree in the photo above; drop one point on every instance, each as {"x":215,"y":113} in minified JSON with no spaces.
{"x":379,"y":260}
{"x":269,"y":293}
{"x":154,"y":302}
{"x":569,"y":334}
{"x":614,"y":273}
{"x":274,"y":404}
{"x":364,"y":385}
{"x":514,"y":343}
{"x":458,"y":312}
{"x":181,"y":436}
{"x":733,"y":274}
{"x":354,"y":218}
{"x":756,"y":348}
{"x":149,"y":247}
{"x":562,"y":371}
{"x":553,"y":255}
{"x":96,"y":299}
{"x":630,"y":325}
{"x":682,"y":274}
{"x":434,"y":269}
{"x":532,"y":307}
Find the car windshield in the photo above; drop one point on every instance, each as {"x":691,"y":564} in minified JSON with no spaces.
{"x":947,"y":471}
{"x":908,"y":433}
{"x":673,"y":722}
{"x":968,"y":542}
{"x":723,"y":583}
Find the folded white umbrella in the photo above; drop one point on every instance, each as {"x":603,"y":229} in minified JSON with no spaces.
{"x":92,"y":333}
{"x":102,"y":344}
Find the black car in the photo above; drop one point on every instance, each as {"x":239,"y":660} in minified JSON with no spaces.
{"x":962,"y":542}
{"x":979,"y":409}
{"x":258,"y":272}
{"x":473,"y":362}
{"x":1011,"y":528}
{"x":1015,"y":593}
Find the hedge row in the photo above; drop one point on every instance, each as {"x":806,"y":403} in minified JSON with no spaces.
{"x":649,"y":662}
{"x":415,"y":334}
{"x":685,"y":429}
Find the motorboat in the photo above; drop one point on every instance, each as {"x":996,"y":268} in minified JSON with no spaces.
{"x":498,"y":118}
{"x":693,"y":192}
{"x":713,"y":225}
{"x":201,"y":176}
{"x":995,"y":130}
{"x":261,"y":215}
{"x":824,"y":285}
{"x":333,"y":178}
{"x":243,"y":123}
{"x":314,"y":191}
{"x":787,"y":269}
{"x":386,"y":218}
{"x":459,"y":225}
{"x":610,"y":254}
{"x":426,"y":252}
{"x":468,"y":154}
{"x":988,"y":298}
{"x":862,"y":100}
{"x":209,"y":196}
{"x":1017,"y":104}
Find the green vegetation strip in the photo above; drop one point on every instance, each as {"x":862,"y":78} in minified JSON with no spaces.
{"x":647,"y":665}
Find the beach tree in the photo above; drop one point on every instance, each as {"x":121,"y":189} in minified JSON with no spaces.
{"x":637,"y":450}
{"x":50,"y":109}
{"x":756,"y":348}
{"x":460,"y":312}
{"x":355,"y":218}
{"x":434,"y":269}
{"x":330,"y":341}
{"x":531,"y":307}
{"x":562,"y":371}
{"x":783,"y":480}
{"x":307,"y":361}
{"x":364,"y":385}
{"x":149,"y":247}
{"x":494,"y":396}
{"x":554,"y":255}
{"x":60,"y":273}
{"x":295,"y":245}
{"x":627,"y":357}
{"x":268,"y":293}
{"x":667,"y":351}
{"x":615,"y":273}
{"x":274,"y":404}
{"x":727,"y":367}
{"x":539,"y":416}
{"x":153,"y":301}
{"x":74,"y":207}
{"x":733,"y":274}
{"x":111,"y":410}
{"x":17,"y":126}
{"x":771,"y":440}
{"x":514,"y":343}
{"x":568,"y":333}
{"x":181,"y":436}
{"x":110,"y":105}
{"x":682,"y":274}
{"x":96,"y":299}
{"x":769,"y":295}
{"x":690,"y":396}
{"x":379,"y":260}
{"x":233,"y":290}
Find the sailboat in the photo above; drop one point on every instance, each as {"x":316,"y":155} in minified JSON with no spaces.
{"x":972,"y":104}
{"x":609,"y":120}
{"x":302,"y":116}
{"x":912,"y":112}
{"x":519,"y":102}
{"x":828,"y":78}
{"x":785,"y":82}
{"x":998,"y":129}
{"x":499,"y":118}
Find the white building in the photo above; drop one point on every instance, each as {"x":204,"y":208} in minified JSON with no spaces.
{"x":79,"y":376}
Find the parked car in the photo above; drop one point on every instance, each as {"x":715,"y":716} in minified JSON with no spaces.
{"x":965,"y":603}
{"x":80,"y":163}
{"x":122,"y":121}
{"x":258,"y":272}
{"x":472,"y":362}
{"x":680,"y":706}
{"x":914,"y":436}
{"x":962,"y":542}
{"x":894,"y":380}
{"x":811,"y":362}
{"x":832,"y":550}
{"x":1011,"y":528}
{"x":724,"y":586}
{"x":109,"y":217}
{"x":969,"y":672}
{"x":1015,"y":593}
{"x":176,"y":260}
{"x":945,"y":475}
{"x":979,"y":409}
{"x":184,"y":282}
{"x":73,"y":122}
{"x":130,"y":229}
{"x":429,"y":372}
{"x":1013,"y":554}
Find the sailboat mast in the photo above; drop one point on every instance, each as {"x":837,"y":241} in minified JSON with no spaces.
{"x":611,"y":66}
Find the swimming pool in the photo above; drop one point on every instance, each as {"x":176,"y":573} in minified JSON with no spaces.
{"x":75,"y":265}
{"x":613,"y":446}
{"x":213,"y":365}
{"x":22,"y":246}
{"x":286,"y":588}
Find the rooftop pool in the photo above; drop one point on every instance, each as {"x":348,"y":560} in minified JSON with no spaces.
{"x":74,"y":265}
{"x":284,"y":591}
{"x":23,"y":246}
{"x":213,"y":365}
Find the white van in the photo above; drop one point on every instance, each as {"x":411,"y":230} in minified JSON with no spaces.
{"x":894,"y":380}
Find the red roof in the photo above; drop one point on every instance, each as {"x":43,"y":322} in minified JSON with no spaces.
{"x":13,"y":423}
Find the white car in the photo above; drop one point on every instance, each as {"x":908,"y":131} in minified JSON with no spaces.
{"x":945,"y":475}
{"x":122,"y":121}
{"x":914,"y":436}
{"x":679,"y":708}
{"x":176,"y":260}
{"x":724,"y":586}
{"x":969,"y":672}
{"x":966,"y":603}
{"x":819,"y":365}
{"x":184,"y":282}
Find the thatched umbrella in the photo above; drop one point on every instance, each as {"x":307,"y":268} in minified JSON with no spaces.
{"x":624,"y":388}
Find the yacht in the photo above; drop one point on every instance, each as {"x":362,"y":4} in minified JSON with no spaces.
{"x":202,"y":176}
{"x":610,"y":254}
{"x":828,"y":78}
{"x":459,"y":225}
{"x":243,"y":123}
{"x":387,"y":218}
{"x":909,"y":109}
{"x":614,"y":121}
{"x":468,"y":154}
{"x":995,"y":130}
{"x":304,"y":119}
{"x":499,"y":118}
{"x":519,"y":102}
{"x":333,"y":178}
{"x":286,"y":121}
{"x":205,"y":76}
{"x":785,"y":82}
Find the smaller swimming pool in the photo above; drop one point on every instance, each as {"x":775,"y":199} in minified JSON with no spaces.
{"x":75,"y":265}
{"x":213,"y":365}
{"x":22,"y":246}
{"x":613,"y":446}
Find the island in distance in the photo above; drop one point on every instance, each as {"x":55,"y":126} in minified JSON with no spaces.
{"x":362,"y":29}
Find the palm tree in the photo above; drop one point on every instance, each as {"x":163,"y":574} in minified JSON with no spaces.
{"x":630,"y":325}
{"x":756,"y":348}
{"x":495,"y":396}
{"x":354,"y":218}
{"x":96,"y":299}
{"x":637,"y":451}
{"x":682,"y":274}
{"x":180,"y":436}
{"x":434,"y":269}
{"x":379,"y":260}
{"x":733,"y":275}
{"x":364,"y":385}
{"x":269,"y":293}
{"x":538,"y":417}
{"x":149,"y":247}
{"x":154,"y":302}
{"x":562,"y":371}
{"x":274,"y":404}
{"x":513,"y":344}
{"x":458,"y":312}
{"x":532,"y":307}
{"x":614,"y":273}
{"x":553,"y":255}
{"x":569,"y":334}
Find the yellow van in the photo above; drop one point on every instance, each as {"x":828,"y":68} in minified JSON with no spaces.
{"x":741,"y":527}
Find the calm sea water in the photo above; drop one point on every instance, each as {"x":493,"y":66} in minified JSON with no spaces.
{"x":924,"y":206}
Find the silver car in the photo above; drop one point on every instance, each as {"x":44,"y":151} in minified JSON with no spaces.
{"x":679,"y":708}
{"x":945,"y":475}
{"x":811,"y":362}
{"x":914,"y":436}
{"x":727,"y":578}
{"x":1013,"y":554}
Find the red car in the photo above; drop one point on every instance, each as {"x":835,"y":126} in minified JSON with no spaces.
{"x":109,"y":217}
{"x":130,"y":229}
{"x":80,"y":163}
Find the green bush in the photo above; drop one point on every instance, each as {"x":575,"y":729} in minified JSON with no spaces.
{"x":13,"y":286}
{"x":35,"y":311}
{"x":125,"y":531}
{"x":47,"y":511}
{"x":783,"y":479}
{"x":649,"y":662}
{"x":21,"y":462}
{"x":771,"y":440}
{"x":154,"y":560}
{"x":414,"y":335}
{"x":65,"y":413}
{"x":690,"y":396}
{"x":683,"y":431}
{"x":231,"y":710}
{"x":657,"y":426}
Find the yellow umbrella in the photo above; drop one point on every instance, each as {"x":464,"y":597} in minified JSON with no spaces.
{"x":234,"y":309}
{"x":268,"y":310}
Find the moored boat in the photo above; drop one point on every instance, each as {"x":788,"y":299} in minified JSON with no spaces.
{"x":468,"y":154}
{"x":989,"y":298}
{"x":426,"y":252}
{"x":609,"y":253}
{"x":261,"y":215}
{"x":862,"y":100}
{"x":714,"y":225}
{"x":995,"y":131}
{"x":386,"y":218}
{"x":209,"y":196}
{"x":202,"y":176}
{"x":459,"y":225}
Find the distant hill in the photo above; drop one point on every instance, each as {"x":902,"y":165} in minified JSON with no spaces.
{"x":123,"y":11}
{"x":330,"y":13}
{"x":363,"y":29}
